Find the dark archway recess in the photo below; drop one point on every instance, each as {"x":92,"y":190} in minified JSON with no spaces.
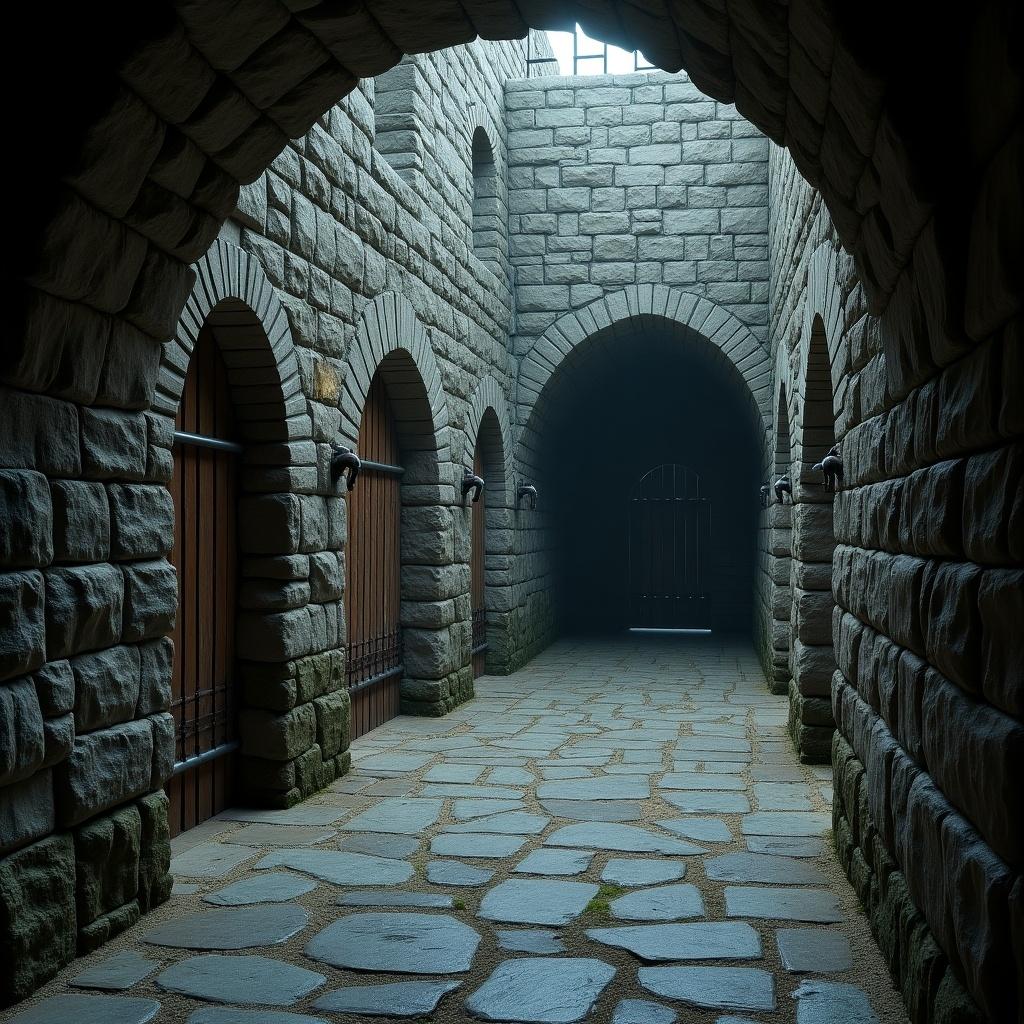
{"x":811,"y":656}
{"x":204,"y":487}
{"x":608,"y":416}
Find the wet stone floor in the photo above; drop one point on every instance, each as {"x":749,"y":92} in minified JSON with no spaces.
{"x":618,"y":832}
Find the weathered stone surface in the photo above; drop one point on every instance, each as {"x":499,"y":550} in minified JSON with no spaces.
{"x":541,"y":990}
{"x":405,"y":817}
{"x":529,"y":940}
{"x":390,"y":846}
{"x":23,"y":638}
{"x":536,"y":901}
{"x":141,"y":521}
{"x":89,"y":1009}
{"x":231,"y":928}
{"x":26,"y":520}
{"x":272,"y":887}
{"x":211,"y":860}
{"x":155,"y":851}
{"x":106,"y":687}
{"x":813,"y":950}
{"x":782,"y":904}
{"x":150,"y":599}
{"x":509,"y":823}
{"x":623,"y":872}
{"x":642,"y":1011}
{"x":716,"y":941}
{"x":403,"y":943}
{"x":400,"y":898}
{"x":822,"y":1002}
{"x":117,"y":972}
{"x":627,"y":838}
{"x":451,"y":872}
{"x":622,"y":787}
{"x":81,"y":521}
{"x":594,"y":810}
{"x":662,"y":903}
{"x":22,"y":738}
{"x":341,"y":868}
{"x":398,"y":999}
{"x":277,"y":737}
{"x":451,"y":845}
{"x":83,"y":609}
{"x":719,"y":988}
{"x":554,"y":862}
{"x":107,"y":852}
{"x":756,"y":867}
{"x":37,"y":900}
{"x":105,"y":768}
{"x":240,"y":979}
{"x":231,"y":1015}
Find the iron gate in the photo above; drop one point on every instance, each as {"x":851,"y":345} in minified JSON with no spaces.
{"x":204,"y":490}
{"x":669,"y":534}
{"x":373,"y":595}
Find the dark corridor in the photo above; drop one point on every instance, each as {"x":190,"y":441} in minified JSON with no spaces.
{"x":624,"y":407}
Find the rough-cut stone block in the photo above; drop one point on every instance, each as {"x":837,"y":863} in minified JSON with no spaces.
{"x":107,"y":863}
{"x":141,"y":520}
{"x":154,"y":852}
{"x":1001,"y":608}
{"x":26,"y":520}
{"x":22,"y":743}
{"x":55,"y":688}
{"x":22,"y":623}
{"x":105,"y":769}
{"x":83,"y":609}
{"x":26,"y":811}
{"x":150,"y":599}
{"x":81,"y":521}
{"x":106,"y":687}
{"x":275,"y":637}
{"x":113,"y":444}
{"x":277,"y":737}
{"x":155,"y":661}
{"x":332,"y":722}
{"x":37,"y":915}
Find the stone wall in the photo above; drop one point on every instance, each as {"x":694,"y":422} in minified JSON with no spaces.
{"x":926,"y":580}
{"x":310,"y":268}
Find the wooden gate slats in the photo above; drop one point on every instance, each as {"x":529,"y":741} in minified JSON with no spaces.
{"x":204,"y":491}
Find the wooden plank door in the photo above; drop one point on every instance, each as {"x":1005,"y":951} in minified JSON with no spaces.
{"x":373,"y":593}
{"x":669,"y":531}
{"x":478,"y":551}
{"x":204,"y":489}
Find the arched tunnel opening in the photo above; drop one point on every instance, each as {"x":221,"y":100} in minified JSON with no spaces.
{"x":648,"y":450}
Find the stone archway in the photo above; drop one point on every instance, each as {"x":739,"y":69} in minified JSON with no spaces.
{"x":390,"y":341}
{"x":292,"y":705}
{"x":489,"y":428}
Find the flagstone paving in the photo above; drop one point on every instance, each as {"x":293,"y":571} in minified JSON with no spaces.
{"x":573,"y":795}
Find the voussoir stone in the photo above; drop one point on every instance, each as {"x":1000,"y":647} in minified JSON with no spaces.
{"x":402,"y":943}
{"x":541,"y":990}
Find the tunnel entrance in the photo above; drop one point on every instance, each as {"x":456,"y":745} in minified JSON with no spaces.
{"x":648,"y":447}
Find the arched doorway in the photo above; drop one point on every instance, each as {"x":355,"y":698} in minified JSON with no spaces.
{"x":812,"y":658}
{"x":669,"y":535}
{"x":204,"y":488}
{"x":373,"y":599}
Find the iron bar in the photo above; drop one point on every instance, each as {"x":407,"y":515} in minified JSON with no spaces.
{"x":201,"y":441}
{"x":180,"y":767}
{"x":381,"y":467}
{"x":378,"y":678}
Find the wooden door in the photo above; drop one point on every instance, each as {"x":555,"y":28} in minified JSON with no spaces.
{"x":478,"y":537}
{"x":204,"y":489}
{"x":373,"y":594}
{"x":669,"y":531}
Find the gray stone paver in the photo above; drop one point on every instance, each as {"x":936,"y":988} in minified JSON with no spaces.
{"x":381,"y":858}
{"x":231,"y":927}
{"x":116,"y":973}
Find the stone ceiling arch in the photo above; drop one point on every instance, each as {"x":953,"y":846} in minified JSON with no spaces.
{"x":388,"y":324}
{"x":623,"y":312}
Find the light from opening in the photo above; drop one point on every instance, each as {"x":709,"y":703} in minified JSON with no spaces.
{"x":670,"y":632}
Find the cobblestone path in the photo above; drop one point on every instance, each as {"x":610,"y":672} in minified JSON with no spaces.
{"x":618,"y":832}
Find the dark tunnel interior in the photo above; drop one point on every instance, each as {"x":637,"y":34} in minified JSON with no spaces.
{"x":630,"y":404}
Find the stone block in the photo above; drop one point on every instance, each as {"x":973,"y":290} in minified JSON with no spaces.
{"x":114,"y":444}
{"x":164,"y":748}
{"x":691,"y":221}
{"x":813,"y":539}
{"x":277,"y":737}
{"x":141,"y":520}
{"x":155,"y":664}
{"x":83,"y":608}
{"x":55,"y":688}
{"x":107,"y":852}
{"x":106,"y":687}
{"x":1001,"y":611}
{"x":269,"y":524}
{"x":326,"y":576}
{"x":26,"y":520}
{"x":22,"y":623}
{"x":953,"y":624}
{"x":81,"y":521}
{"x":278,"y":636}
{"x":993,"y":506}
{"x":37,"y":915}
{"x":319,"y":674}
{"x":154,"y":852}
{"x":332,"y":722}
{"x":150,"y":599}
{"x":26,"y":811}
{"x":102,"y":930}
{"x":428,"y":653}
{"x":106,"y":768}
{"x":22,"y":744}
{"x":58,"y":739}
{"x":813,"y":616}
{"x":813,"y":665}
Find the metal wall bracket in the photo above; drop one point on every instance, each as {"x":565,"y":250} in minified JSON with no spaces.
{"x":474,"y":483}
{"x":344,"y":460}
{"x":527,"y":491}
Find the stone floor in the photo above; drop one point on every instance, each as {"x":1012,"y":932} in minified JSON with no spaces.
{"x":618,"y":832}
